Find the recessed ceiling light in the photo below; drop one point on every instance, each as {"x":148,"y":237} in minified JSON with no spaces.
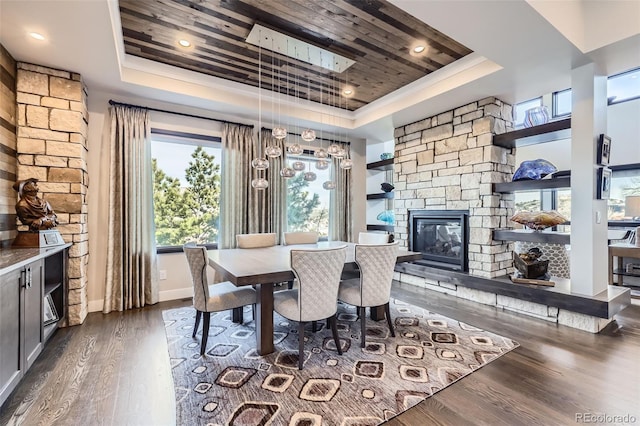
{"x":184,"y":43}
{"x":37,"y":36}
{"x":419,"y":49}
{"x":347,"y":92}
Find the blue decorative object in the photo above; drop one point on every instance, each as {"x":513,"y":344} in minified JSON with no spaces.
{"x":534,"y":170}
{"x":386,"y":187}
{"x":536,"y":116}
{"x":386,"y":155}
{"x":387,"y":217}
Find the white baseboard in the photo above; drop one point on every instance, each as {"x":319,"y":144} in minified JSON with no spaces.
{"x":179,"y":293}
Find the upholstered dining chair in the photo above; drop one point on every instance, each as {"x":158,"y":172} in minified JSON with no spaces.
{"x":291,"y":238}
{"x":316,"y":298}
{"x":256,"y":240}
{"x":209,"y":298}
{"x":373,"y":287}
{"x":373,"y":238}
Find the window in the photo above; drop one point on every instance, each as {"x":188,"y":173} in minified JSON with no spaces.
{"x":623,"y":204}
{"x":186,"y":187}
{"x":625,"y":186}
{"x":530,"y":201}
{"x":561,"y":102}
{"x":623,"y":87}
{"x":620,"y":88}
{"x":308,"y":202}
{"x":521,"y":108}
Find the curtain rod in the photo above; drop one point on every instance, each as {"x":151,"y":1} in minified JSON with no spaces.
{"x":112,"y":102}
{"x":322,"y":139}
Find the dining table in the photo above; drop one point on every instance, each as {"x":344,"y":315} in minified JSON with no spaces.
{"x":267,"y":266}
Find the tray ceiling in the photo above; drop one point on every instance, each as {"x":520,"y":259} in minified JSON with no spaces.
{"x":375,"y":34}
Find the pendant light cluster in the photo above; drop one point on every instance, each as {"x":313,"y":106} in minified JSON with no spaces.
{"x":279,"y":132}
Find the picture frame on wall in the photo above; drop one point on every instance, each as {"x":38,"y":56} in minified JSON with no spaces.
{"x":604,"y":150}
{"x":604,"y":183}
{"x":50,"y":312}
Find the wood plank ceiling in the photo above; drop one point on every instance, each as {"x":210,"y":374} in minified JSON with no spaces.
{"x":377,"y":35}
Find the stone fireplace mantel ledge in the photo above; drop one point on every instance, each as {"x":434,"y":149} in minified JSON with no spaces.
{"x":557,"y":304}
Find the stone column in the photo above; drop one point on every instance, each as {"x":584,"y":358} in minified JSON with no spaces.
{"x":52,"y":147}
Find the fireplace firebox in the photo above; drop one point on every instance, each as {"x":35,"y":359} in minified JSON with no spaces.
{"x":441,"y":236}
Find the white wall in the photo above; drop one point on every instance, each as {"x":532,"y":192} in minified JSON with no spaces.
{"x":178,"y":282}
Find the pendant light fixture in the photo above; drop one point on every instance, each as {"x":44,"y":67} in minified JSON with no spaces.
{"x":309,"y":135}
{"x":346,"y":163}
{"x":331,"y":150}
{"x":278,"y":132}
{"x":295,"y":148}
{"x":260,"y":163}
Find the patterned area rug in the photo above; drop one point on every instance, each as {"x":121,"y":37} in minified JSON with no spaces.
{"x":233,"y":385}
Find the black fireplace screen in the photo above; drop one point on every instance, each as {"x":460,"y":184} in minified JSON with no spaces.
{"x":441,"y":237}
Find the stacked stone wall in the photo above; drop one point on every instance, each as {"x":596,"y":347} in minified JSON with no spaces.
{"x":448,"y":162}
{"x":52,"y":147}
{"x":7,"y":147}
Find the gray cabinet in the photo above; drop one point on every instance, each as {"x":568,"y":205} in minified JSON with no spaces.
{"x":32,"y":299}
{"x":11,"y":365}
{"x":30,"y":279}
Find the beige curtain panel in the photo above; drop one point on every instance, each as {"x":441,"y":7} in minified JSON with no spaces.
{"x":276,"y":194}
{"x":242,"y":208}
{"x":131,"y":280}
{"x":340,"y":212}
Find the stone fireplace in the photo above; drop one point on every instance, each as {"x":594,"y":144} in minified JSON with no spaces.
{"x":448,"y":163}
{"x":441,"y":236}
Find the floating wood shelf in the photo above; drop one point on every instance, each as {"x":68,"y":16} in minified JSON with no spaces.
{"x":381,"y":165}
{"x":388,"y":228}
{"x":542,"y":133}
{"x":532,"y":236}
{"x":380,"y":196}
{"x":531,"y":185}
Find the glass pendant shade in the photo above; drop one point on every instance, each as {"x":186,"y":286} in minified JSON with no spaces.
{"x":279,"y":132}
{"x":273,"y":151}
{"x":309,"y":176}
{"x":329,"y":185}
{"x":322,"y":164}
{"x":340,"y":153}
{"x":260,"y":163}
{"x":287,"y":172}
{"x":260,"y":183}
{"x":295,"y":149}
{"x":308,"y":135}
{"x":346,"y":163}
{"x":298,"y":166}
{"x":320,"y":153}
{"x":333,"y":149}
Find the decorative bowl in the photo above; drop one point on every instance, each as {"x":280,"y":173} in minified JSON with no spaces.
{"x":539,"y":220}
{"x":387,"y":217}
{"x":386,"y":187}
{"x":534,"y":170}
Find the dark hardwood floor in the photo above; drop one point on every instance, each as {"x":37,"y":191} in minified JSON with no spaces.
{"x":114,"y":370}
